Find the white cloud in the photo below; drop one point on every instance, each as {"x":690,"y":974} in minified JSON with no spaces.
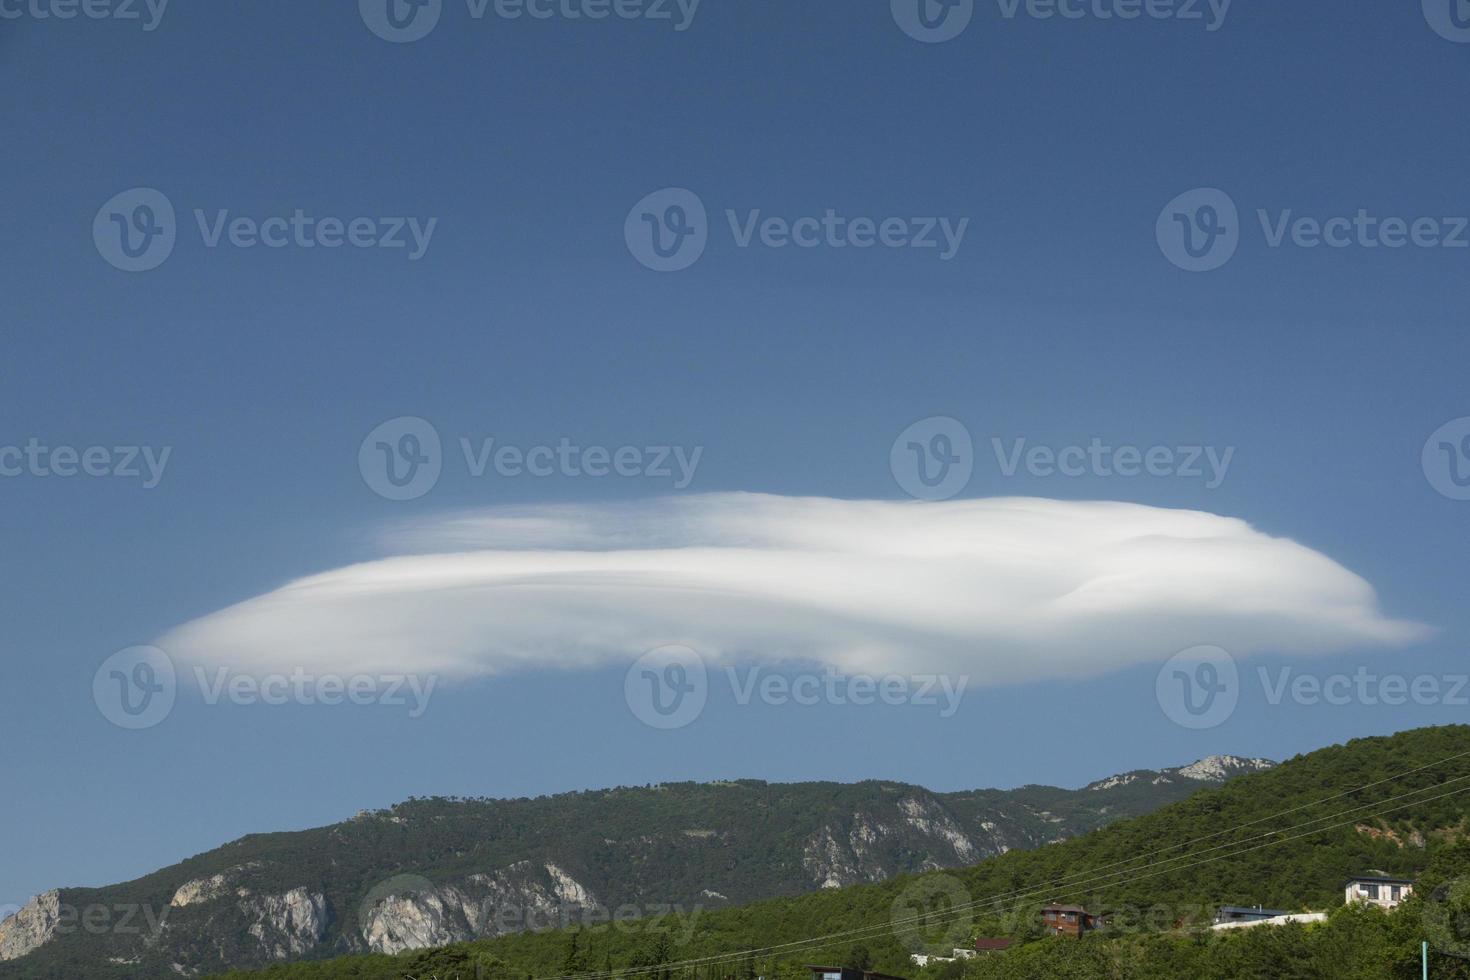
{"x":1006,"y":590}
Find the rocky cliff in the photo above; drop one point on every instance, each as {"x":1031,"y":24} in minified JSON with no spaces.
{"x":30,"y":928}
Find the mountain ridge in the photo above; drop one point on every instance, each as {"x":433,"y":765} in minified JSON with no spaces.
{"x":1152,"y":883}
{"x":280,"y":896}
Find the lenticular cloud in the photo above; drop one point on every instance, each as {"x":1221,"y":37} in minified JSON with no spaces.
{"x":1005,"y":590}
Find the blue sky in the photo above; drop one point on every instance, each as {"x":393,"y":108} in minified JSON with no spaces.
{"x":1059,"y":319}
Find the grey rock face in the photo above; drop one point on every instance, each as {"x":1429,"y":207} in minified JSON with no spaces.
{"x":287,"y":925}
{"x":31,"y":927}
{"x":421,"y":914}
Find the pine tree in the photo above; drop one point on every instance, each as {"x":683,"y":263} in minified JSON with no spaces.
{"x":574,"y":962}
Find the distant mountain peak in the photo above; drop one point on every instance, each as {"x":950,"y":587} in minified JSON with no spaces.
{"x":1211,"y":769}
{"x":1218,"y":767}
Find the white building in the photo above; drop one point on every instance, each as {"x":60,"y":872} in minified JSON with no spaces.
{"x":1275,"y":920}
{"x":924,"y":959}
{"x":1384,"y":892}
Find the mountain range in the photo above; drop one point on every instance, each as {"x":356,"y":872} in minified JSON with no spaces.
{"x":1286,"y":838}
{"x":434,"y":871}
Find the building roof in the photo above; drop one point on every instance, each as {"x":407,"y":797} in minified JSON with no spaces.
{"x":1066,"y":908}
{"x":867,"y":974}
{"x":1378,"y":880}
{"x":984,"y":945}
{"x":1251,"y":910}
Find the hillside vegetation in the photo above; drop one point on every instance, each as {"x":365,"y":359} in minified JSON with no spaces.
{"x":325,"y":892}
{"x":1159,"y":875}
